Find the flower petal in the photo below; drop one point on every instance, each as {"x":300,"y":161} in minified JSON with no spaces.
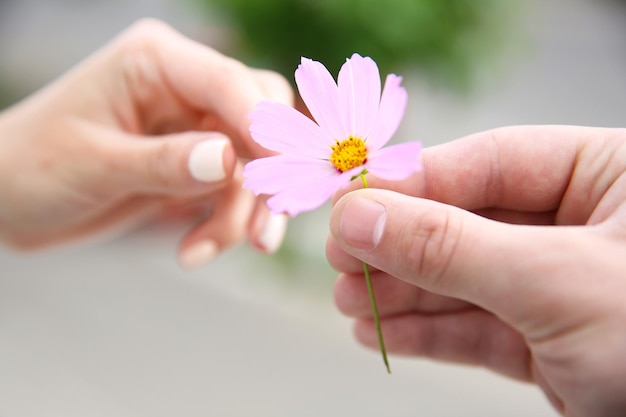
{"x":298,"y":184}
{"x":396,"y":162}
{"x":392,"y":105}
{"x":309,"y":196}
{"x":281,"y":128}
{"x":276,"y":173}
{"x":359,"y":94}
{"x":320,"y":94}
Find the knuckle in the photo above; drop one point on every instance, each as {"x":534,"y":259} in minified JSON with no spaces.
{"x":431,"y":245}
{"x":143,"y":39}
{"x":232,"y":71}
{"x":276,"y":87}
{"x":147,"y":30}
{"x":139,"y":60}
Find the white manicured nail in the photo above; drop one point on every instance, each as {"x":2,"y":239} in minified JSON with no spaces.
{"x":206,"y":160}
{"x":273,"y":233}
{"x":198,"y":254}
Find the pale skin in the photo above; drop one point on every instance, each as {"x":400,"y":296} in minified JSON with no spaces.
{"x":508,"y":251}
{"x":109,"y":145}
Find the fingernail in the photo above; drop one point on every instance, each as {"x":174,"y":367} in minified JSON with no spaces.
{"x":206,"y":160}
{"x":362,"y":223}
{"x":198,"y":254}
{"x":273,"y":233}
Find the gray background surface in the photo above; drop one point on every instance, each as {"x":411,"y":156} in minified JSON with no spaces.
{"x":116,"y":329}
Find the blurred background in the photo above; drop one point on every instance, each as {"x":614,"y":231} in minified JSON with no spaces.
{"x":116,"y":328}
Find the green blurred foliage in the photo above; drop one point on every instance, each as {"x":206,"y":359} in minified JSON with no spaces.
{"x":446,"y":39}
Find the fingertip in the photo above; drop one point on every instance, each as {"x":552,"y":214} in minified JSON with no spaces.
{"x":342,"y":294}
{"x":193,"y":255}
{"x":332,"y":251}
{"x":275,"y":87}
{"x":339,"y":259}
{"x":266,"y":230}
{"x":364,"y":331}
{"x":338,"y":204}
{"x":351,"y":295}
{"x":222,"y":226}
{"x":212,"y":160}
{"x":358,"y":221}
{"x":272,"y":233}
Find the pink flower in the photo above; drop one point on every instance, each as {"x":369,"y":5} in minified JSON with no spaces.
{"x":354,"y":122}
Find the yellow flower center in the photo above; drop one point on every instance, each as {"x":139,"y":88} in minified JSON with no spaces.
{"x":348,"y":154}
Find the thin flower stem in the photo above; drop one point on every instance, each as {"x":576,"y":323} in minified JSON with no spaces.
{"x":364,"y":180}
{"x":370,"y":290}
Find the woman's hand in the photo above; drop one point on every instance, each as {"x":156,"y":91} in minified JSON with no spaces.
{"x":150,"y":124}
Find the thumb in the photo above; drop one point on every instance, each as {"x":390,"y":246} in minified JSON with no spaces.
{"x":455,"y":253}
{"x":172,"y":164}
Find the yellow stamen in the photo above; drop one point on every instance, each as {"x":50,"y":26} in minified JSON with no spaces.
{"x":348,"y":154}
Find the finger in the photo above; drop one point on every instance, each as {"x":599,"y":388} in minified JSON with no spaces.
{"x":472,"y":337}
{"x":523,"y":168}
{"x":185,"y":209}
{"x":393,"y":297}
{"x":274,"y":86}
{"x":452,"y":252}
{"x":226,"y":225}
{"x":176,"y":164}
{"x":341,"y":260}
{"x":266,"y":230}
{"x":206,"y":80}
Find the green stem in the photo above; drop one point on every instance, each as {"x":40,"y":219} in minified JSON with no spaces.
{"x":370,"y":290}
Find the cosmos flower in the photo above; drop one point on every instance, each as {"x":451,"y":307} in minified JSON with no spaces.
{"x":353,"y":121}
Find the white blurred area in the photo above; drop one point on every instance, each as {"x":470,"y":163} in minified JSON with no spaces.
{"x":116,"y":329}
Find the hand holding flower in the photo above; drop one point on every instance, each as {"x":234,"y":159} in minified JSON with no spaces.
{"x":506,"y":251}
